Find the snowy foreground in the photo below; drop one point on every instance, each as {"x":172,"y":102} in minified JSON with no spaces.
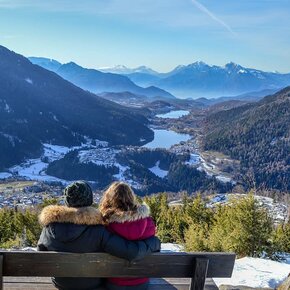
{"x":251,"y":272}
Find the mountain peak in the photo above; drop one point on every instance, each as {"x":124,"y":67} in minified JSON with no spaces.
{"x":233,"y":66}
{"x":199,"y":64}
{"x":71,"y":66}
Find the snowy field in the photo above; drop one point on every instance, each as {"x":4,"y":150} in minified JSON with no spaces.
{"x":158,"y":171}
{"x":255,"y":272}
{"x":251,"y":272}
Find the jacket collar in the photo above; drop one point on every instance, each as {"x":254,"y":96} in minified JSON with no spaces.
{"x":142,"y":212}
{"x":63,"y":214}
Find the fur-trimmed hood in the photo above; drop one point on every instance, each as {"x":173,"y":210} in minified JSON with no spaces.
{"x":142,"y":212}
{"x":63,"y":214}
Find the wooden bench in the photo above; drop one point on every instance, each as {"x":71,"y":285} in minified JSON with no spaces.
{"x":196,"y":266}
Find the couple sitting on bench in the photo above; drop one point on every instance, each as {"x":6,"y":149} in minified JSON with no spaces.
{"x":121,"y":227}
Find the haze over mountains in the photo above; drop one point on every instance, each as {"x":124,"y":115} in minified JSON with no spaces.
{"x":98,"y":82}
{"x":38,"y":106}
{"x":195,"y":80}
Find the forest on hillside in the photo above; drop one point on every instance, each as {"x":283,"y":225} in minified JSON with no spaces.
{"x":258,"y":135}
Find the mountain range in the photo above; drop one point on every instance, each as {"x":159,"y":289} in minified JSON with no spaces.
{"x":202,"y":80}
{"x":98,"y":82}
{"x":196,"y":80}
{"x":38,"y":106}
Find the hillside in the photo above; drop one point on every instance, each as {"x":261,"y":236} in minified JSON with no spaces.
{"x":257,"y":134}
{"x":37,"y":106}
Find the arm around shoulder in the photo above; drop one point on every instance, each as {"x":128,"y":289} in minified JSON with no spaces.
{"x":129,"y":250}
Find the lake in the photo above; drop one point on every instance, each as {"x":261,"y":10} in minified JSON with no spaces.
{"x":165,"y":139}
{"x":173,"y":114}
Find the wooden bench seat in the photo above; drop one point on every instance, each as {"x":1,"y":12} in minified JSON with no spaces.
{"x":196,"y":266}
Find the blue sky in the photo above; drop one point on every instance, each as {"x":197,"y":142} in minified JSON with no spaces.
{"x":160,"y":34}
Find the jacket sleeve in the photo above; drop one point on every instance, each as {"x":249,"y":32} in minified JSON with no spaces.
{"x":44,"y":240}
{"x":129,"y":250}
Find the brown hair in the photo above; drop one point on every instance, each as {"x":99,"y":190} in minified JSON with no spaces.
{"x":117,"y":199}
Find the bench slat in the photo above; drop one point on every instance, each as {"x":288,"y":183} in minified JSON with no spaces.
{"x":47,"y":264}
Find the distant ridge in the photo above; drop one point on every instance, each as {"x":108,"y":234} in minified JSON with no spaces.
{"x":199,"y":79}
{"x":196,"y":80}
{"x":99,"y":82}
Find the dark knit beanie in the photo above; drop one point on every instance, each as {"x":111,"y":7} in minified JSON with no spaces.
{"x":78,"y":194}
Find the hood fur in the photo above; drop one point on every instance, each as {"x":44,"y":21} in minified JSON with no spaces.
{"x":63,"y":214}
{"x":142,"y":212}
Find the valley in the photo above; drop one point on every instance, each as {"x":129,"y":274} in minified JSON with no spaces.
{"x":57,"y":163}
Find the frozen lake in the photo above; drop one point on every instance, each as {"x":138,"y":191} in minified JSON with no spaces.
{"x":173,"y":114}
{"x":165,"y":139}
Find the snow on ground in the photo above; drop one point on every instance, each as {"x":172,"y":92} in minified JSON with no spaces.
{"x":170,"y":247}
{"x":123,"y":175}
{"x":194,"y":159}
{"x":7,"y":108}
{"x":278,"y":211}
{"x":28,"y":80}
{"x":54,"y":152}
{"x":4,"y":175}
{"x":158,"y":171}
{"x":251,"y":272}
{"x":223,"y":178}
{"x":255,"y":272}
{"x":34,"y":169}
{"x":212,"y":170}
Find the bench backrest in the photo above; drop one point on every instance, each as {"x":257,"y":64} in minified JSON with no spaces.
{"x":170,"y":265}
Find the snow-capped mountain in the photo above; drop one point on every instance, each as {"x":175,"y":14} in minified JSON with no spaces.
{"x":194,"y":80}
{"x":121,"y":69}
{"x":202,"y":80}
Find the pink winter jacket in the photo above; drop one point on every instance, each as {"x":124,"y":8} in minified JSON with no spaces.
{"x":132,"y":226}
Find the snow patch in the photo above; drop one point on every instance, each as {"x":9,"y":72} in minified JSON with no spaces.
{"x":223,"y":178}
{"x":255,"y":272}
{"x":28,"y":80}
{"x":7,"y":108}
{"x":194,"y":159}
{"x":54,"y":152}
{"x":170,"y":247}
{"x":158,"y":171}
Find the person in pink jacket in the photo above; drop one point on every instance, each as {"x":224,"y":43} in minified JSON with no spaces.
{"x":124,"y":216}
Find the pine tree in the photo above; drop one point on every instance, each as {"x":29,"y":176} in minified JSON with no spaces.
{"x":243,"y":227}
